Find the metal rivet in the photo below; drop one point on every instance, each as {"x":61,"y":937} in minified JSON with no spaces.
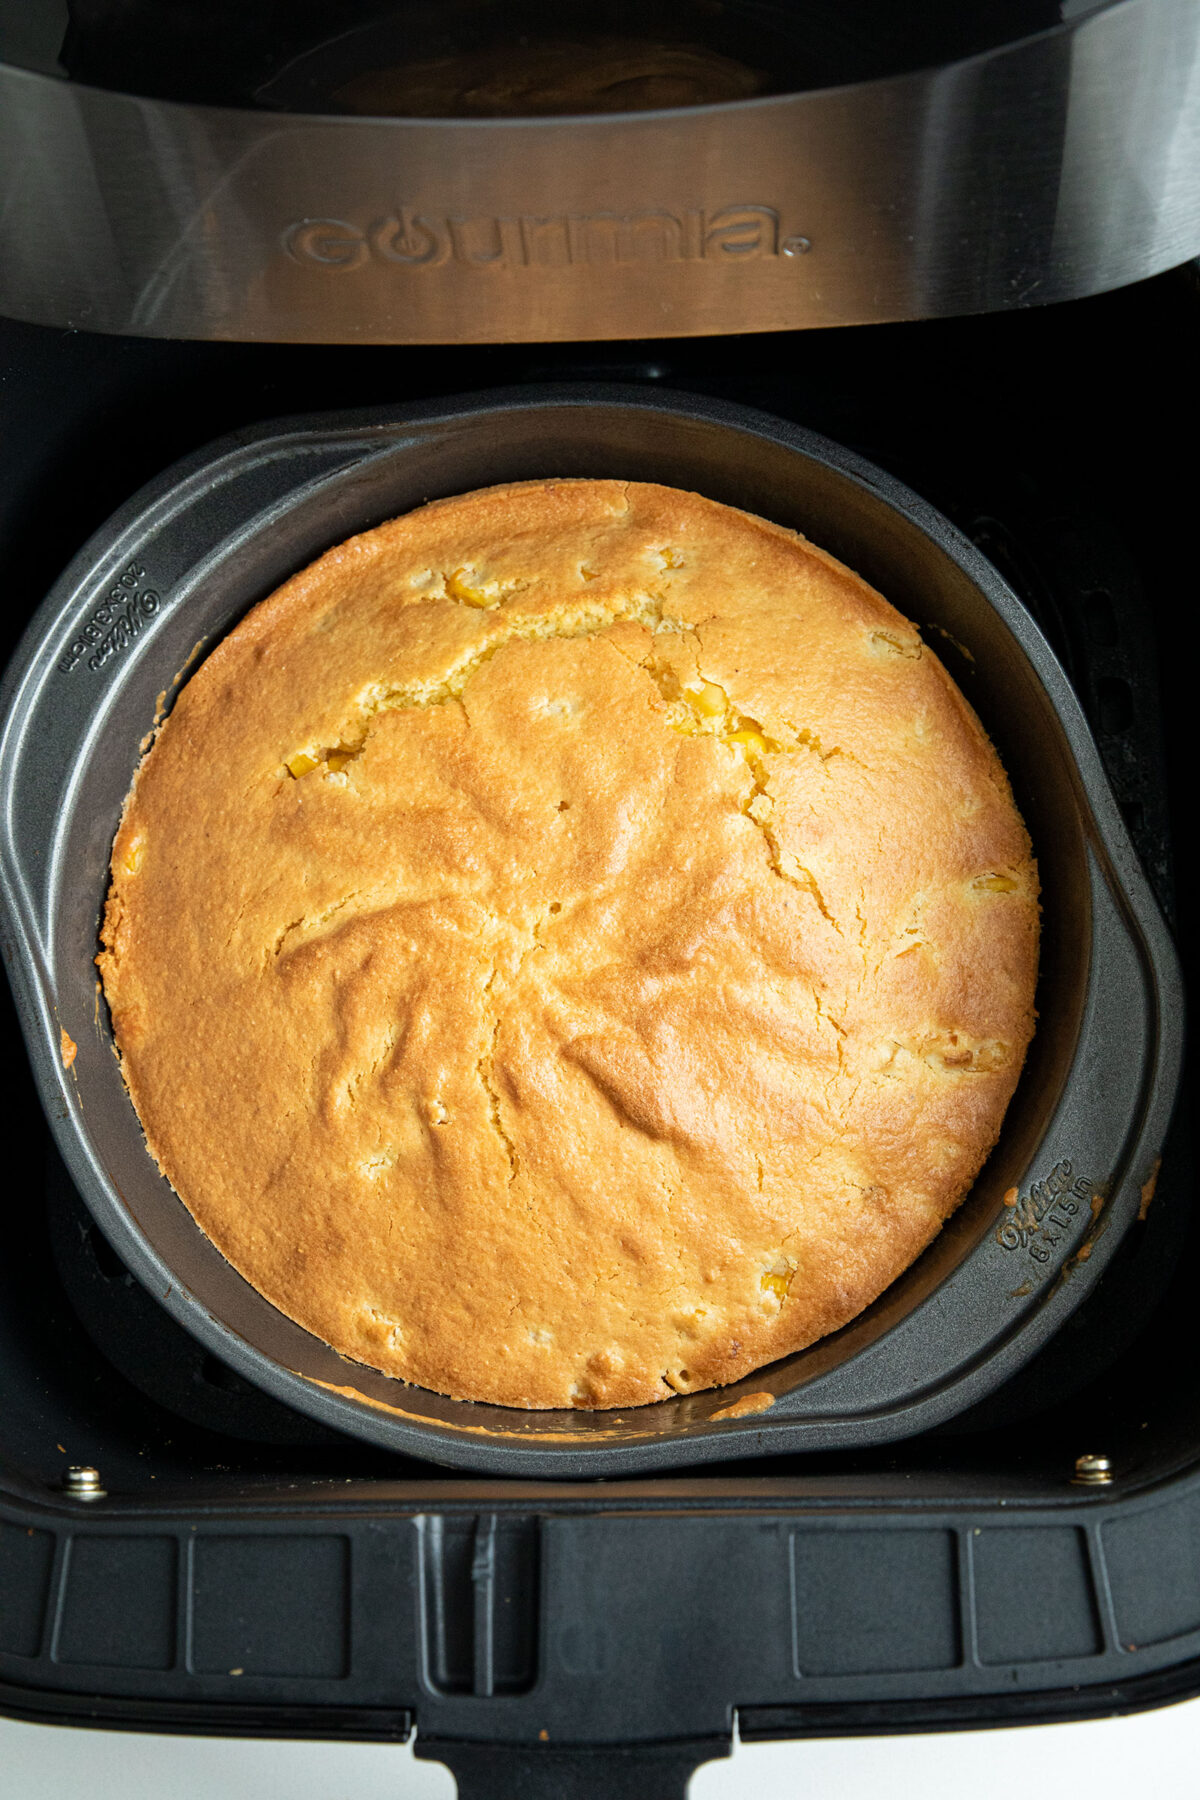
{"x":795,"y":246}
{"x":83,"y":1483}
{"x":1093,"y":1471}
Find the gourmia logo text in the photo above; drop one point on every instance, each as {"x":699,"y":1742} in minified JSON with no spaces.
{"x":415,"y":240}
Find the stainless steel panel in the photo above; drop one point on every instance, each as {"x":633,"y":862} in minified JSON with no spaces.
{"x":1055,"y":167}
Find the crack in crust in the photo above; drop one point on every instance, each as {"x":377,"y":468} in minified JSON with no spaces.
{"x":757,"y":807}
{"x":700,"y":709}
{"x":575,"y":622}
{"x":703,"y":708}
{"x":945,"y":1052}
{"x":485,"y":1069}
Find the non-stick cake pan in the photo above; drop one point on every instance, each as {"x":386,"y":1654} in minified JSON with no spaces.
{"x":168,"y":576}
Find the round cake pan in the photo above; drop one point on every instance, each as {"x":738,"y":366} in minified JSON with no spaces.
{"x":169,"y":575}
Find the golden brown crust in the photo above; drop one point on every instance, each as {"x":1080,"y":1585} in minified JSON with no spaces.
{"x":572,"y":944}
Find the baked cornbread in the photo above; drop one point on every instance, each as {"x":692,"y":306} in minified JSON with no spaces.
{"x":571,"y":945}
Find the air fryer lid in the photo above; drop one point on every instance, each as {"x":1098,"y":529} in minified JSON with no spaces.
{"x":502,"y":171}
{"x":185,"y":559}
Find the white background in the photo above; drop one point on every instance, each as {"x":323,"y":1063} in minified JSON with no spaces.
{"x":1155,"y":1754}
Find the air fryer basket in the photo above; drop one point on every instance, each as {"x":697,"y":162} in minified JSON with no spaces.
{"x":173,"y":571}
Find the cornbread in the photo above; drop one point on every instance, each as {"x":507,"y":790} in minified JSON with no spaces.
{"x":571,"y":945}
